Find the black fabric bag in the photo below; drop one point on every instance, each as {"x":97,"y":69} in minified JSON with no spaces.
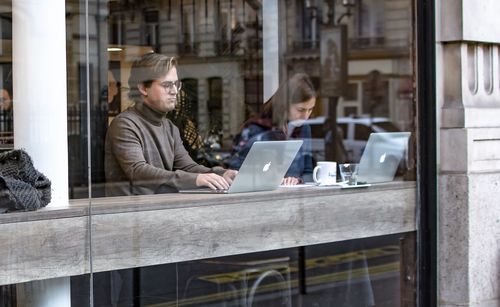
{"x":22,"y":187}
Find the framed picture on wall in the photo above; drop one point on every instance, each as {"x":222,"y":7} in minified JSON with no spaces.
{"x":333,"y":52}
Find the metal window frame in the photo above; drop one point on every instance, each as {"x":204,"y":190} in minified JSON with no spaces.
{"x":427,"y":153}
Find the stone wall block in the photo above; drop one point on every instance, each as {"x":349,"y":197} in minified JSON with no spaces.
{"x":494,"y":303}
{"x":469,"y":240}
{"x":472,"y":150}
{"x":454,"y":150}
{"x":484,"y":249}
{"x":484,"y":150}
{"x":471,"y":86}
{"x":453,"y":239}
{"x":470,"y":20}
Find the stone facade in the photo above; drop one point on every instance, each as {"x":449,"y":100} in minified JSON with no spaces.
{"x":469,"y":171}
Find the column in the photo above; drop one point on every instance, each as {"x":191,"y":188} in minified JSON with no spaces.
{"x":39,"y":86}
{"x":469,"y":170}
{"x":40,"y":118}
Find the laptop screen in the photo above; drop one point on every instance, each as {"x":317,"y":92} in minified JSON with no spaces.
{"x":382,"y":156}
{"x":265,"y":165}
{"x":263,"y":168}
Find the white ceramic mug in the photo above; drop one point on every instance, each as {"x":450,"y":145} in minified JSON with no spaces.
{"x":325,"y":173}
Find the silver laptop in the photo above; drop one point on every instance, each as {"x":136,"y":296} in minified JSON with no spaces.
{"x":263,"y":168}
{"x":382,"y":156}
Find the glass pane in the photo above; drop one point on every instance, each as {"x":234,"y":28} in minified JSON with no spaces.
{"x":221,"y":109}
{"x":180,"y":94}
{"x":362,"y":132}
{"x":165,"y":96}
{"x":82,"y":107}
{"x":350,"y":273}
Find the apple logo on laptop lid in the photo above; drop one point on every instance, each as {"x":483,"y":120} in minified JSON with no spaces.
{"x":382,"y":158}
{"x":266,"y":166}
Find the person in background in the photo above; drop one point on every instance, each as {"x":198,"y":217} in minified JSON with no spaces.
{"x":6,"y":100}
{"x":113,"y":95}
{"x":143,"y":148}
{"x":282,"y":118}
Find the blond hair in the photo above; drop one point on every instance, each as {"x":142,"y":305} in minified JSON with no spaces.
{"x":146,"y":69}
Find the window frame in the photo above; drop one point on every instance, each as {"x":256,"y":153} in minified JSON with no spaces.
{"x":426,"y":241}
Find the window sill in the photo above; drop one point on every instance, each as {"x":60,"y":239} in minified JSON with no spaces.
{"x":140,"y":231}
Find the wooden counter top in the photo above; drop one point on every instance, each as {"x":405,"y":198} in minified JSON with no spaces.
{"x":147,"y":230}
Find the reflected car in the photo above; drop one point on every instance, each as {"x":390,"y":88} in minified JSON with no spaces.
{"x":355,"y":133}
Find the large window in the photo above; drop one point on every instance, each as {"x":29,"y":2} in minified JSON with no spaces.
{"x":336,"y":77}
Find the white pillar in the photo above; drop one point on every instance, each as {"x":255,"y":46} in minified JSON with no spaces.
{"x":40,"y":118}
{"x":39,"y":88}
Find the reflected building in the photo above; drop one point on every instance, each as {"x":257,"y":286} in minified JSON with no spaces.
{"x":221,"y":48}
{"x":219,"y":44}
{"x":379,"y":44}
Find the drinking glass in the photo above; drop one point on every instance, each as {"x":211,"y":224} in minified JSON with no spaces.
{"x":349,"y":173}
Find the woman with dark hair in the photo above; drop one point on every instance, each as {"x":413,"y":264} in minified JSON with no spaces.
{"x":282,"y":118}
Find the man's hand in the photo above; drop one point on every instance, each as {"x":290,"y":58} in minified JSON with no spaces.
{"x":290,"y":181}
{"x":229,"y":175}
{"x":213,"y":181}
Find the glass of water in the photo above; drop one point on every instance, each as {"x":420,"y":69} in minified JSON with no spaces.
{"x":349,"y":173}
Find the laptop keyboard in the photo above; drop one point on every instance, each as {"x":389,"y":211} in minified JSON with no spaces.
{"x":219,"y":191}
{"x":204,"y":191}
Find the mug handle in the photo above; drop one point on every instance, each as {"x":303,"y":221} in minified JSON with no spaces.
{"x":315,"y":171}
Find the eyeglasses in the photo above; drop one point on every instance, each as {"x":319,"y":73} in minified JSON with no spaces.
{"x":169,"y":85}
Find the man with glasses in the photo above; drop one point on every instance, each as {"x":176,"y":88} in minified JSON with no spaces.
{"x":144,"y":153}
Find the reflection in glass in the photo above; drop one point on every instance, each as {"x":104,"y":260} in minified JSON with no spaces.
{"x":221,"y":61}
{"x":351,"y":273}
{"x":282,"y":118}
{"x":219,"y":48}
{"x":6,"y":93}
{"x":6,"y":118}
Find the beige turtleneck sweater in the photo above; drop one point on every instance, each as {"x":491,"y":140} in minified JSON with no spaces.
{"x":144,"y":154}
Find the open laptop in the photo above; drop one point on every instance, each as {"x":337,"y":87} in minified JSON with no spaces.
{"x":382,"y":156}
{"x":263,"y":168}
